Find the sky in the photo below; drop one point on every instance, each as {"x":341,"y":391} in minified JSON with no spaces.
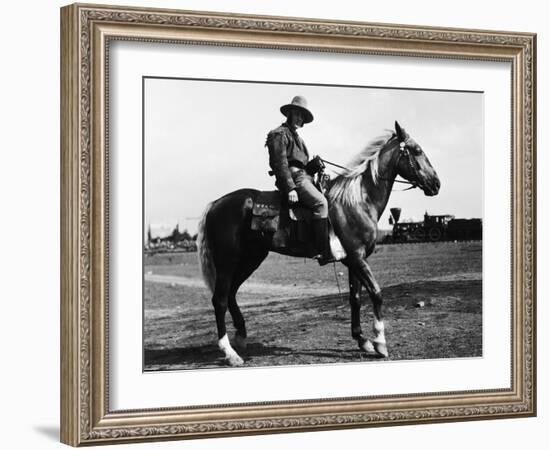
{"x":203,"y":139}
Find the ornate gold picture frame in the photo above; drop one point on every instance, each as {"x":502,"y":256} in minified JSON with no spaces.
{"x":87,"y":31}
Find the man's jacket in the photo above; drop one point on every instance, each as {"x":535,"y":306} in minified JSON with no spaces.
{"x":286,"y":149}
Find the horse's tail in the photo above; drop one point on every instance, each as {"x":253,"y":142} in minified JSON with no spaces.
{"x":206,"y":264}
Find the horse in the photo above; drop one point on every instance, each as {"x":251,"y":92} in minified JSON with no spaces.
{"x":230,"y":251}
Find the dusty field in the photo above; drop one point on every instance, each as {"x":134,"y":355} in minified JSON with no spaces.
{"x":295,"y":314}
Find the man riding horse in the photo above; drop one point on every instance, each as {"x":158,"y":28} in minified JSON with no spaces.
{"x":294,"y":171}
{"x":230,"y":250}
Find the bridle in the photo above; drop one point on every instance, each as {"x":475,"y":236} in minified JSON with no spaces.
{"x":403,"y":151}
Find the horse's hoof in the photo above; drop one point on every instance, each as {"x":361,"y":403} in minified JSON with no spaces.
{"x":239,"y":342}
{"x":381,"y":349}
{"x":367,"y":347}
{"x":235,"y":361}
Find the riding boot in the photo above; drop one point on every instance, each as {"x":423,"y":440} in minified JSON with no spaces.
{"x":321,"y":241}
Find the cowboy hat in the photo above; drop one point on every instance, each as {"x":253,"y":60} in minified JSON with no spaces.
{"x":299,"y":103}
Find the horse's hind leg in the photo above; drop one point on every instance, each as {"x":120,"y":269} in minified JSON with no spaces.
{"x":361,"y":269}
{"x":249,"y":263}
{"x":355,"y":304}
{"x":220,"y":301}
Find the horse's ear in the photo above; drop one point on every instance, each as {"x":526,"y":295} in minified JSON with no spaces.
{"x":400,"y":132}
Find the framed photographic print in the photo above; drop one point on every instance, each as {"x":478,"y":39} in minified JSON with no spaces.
{"x":275,"y":224}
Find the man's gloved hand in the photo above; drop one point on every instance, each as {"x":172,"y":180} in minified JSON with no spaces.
{"x":292,"y":197}
{"x":315,"y":165}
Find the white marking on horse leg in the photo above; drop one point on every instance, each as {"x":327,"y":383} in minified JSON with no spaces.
{"x":231,"y":355}
{"x":367,"y":347}
{"x":239,"y":342}
{"x":378,"y":329}
{"x":379,"y":340}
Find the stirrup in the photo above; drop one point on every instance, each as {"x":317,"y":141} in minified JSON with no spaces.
{"x":323,"y":259}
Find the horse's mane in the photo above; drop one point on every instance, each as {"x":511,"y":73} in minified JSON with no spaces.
{"x":346,"y":188}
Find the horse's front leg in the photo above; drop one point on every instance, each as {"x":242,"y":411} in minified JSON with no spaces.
{"x":355,"y":305}
{"x":363,"y":272}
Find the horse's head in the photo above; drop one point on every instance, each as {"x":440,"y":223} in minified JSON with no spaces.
{"x":413,"y":164}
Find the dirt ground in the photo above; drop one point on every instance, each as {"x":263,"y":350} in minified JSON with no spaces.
{"x":298,"y":312}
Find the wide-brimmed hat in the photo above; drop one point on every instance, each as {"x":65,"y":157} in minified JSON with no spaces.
{"x":299,"y":103}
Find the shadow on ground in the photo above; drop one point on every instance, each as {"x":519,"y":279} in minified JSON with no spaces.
{"x":209,"y":353}
{"x":50,"y":432}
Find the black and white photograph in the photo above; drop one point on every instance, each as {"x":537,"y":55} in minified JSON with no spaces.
{"x":289,"y":224}
{"x":278,"y":224}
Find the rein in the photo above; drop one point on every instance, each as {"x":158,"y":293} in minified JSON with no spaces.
{"x":401,"y":152}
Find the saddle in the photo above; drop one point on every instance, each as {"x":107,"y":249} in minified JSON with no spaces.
{"x":289,"y":227}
